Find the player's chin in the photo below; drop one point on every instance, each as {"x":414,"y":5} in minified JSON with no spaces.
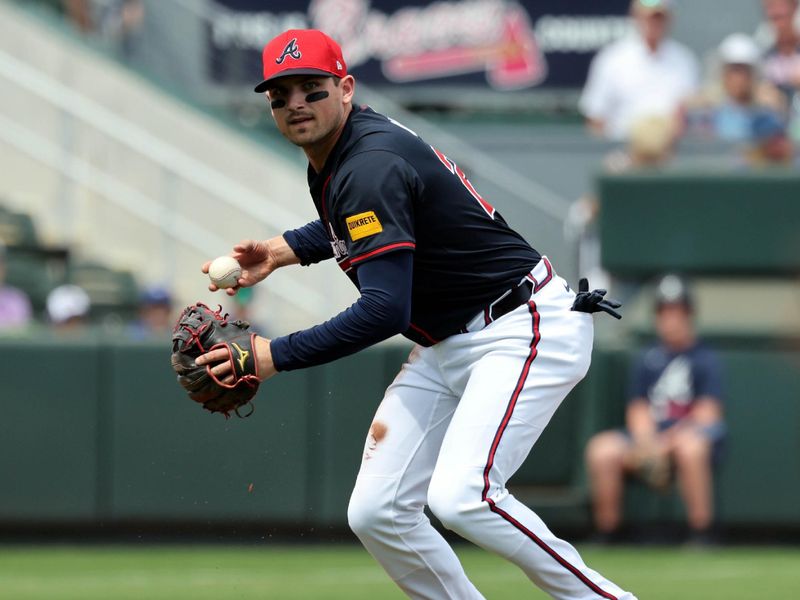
{"x":302,"y":136}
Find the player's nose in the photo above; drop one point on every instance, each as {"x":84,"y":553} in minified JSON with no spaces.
{"x":295,"y":99}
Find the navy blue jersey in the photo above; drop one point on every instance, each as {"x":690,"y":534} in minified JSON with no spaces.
{"x":672,"y":382}
{"x":383,"y":189}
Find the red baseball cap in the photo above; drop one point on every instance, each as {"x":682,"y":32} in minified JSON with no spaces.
{"x":301,"y":52}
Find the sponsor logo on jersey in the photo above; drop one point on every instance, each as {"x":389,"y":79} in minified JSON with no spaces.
{"x":243,"y":355}
{"x":363,"y":225}
{"x":291,"y":50}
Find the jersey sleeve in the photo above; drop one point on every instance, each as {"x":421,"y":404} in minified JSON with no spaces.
{"x":309,"y":243}
{"x":373,"y":204}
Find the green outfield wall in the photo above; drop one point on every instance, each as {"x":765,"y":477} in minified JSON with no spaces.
{"x":99,"y":432}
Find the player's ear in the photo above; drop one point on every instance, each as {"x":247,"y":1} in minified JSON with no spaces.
{"x":348,"y":85}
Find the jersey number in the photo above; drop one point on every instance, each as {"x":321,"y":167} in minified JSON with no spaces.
{"x":456,"y":170}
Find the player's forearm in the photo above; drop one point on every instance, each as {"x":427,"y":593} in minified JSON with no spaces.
{"x":383,"y":310}
{"x":282,"y":253}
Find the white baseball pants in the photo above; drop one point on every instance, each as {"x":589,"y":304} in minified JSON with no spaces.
{"x":453,"y":427}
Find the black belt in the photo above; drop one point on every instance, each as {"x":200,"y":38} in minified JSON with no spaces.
{"x":534,"y":281}
{"x":518,"y":296}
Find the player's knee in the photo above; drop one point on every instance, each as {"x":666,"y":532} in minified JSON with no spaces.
{"x":367,"y":513}
{"x":452,"y":502}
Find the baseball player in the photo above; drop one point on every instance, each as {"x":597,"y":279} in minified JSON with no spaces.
{"x":501,"y":339}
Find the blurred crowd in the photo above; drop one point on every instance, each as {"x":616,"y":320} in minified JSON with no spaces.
{"x":70,"y":312}
{"x":647,"y":89}
{"x":116,"y":21}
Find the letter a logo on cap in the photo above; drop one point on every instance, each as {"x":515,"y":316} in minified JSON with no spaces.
{"x":292,"y":50}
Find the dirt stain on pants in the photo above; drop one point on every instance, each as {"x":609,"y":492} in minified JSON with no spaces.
{"x":377,"y":432}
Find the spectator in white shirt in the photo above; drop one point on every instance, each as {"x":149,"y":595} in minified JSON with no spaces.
{"x":642,"y":75}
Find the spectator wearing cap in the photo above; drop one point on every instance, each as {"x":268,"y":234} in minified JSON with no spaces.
{"x":645,"y":74}
{"x":68,"y":309}
{"x":728,"y":108}
{"x":15,"y":307}
{"x":674,"y":421}
{"x":155,"y":318}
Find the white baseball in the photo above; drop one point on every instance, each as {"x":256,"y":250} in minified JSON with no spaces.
{"x":224,"y":272}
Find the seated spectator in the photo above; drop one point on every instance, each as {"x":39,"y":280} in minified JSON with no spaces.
{"x":155,"y":315}
{"x":642,"y":75}
{"x":15,"y":307}
{"x":727,"y":109}
{"x":782,"y":60}
{"x":673,"y":421}
{"x":68,"y":309}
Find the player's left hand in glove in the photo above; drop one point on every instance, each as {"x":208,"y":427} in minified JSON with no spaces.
{"x":594,"y":301}
{"x":200,"y":330}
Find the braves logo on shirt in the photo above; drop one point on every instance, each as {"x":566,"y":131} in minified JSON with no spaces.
{"x":671,"y":395}
{"x":291,"y":50}
{"x":339,"y":246}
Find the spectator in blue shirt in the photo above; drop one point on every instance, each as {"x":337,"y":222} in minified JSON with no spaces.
{"x":727,"y":109}
{"x":674,"y":421}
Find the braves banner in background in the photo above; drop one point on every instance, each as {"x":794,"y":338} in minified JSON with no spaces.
{"x":502,"y":44}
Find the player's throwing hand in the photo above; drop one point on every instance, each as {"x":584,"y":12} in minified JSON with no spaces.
{"x":257,"y":260}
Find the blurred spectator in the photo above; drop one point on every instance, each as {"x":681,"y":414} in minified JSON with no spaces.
{"x":782,"y":60}
{"x":727,"y":110}
{"x":68,"y":309}
{"x":15,"y":307}
{"x":674,"y":421}
{"x":642,"y":75}
{"x":771,"y":143}
{"x":119,"y":20}
{"x":113,"y":20}
{"x":155,"y":315}
{"x":80,"y":13}
{"x":650,"y":145}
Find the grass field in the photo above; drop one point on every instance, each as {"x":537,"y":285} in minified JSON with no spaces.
{"x":347,"y":572}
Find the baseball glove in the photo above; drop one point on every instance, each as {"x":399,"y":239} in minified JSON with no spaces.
{"x":200,"y":330}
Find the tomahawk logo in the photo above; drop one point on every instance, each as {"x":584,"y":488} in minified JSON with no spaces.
{"x":291,"y":50}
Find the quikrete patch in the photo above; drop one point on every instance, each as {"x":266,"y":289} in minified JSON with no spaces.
{"x":363,"y":225}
